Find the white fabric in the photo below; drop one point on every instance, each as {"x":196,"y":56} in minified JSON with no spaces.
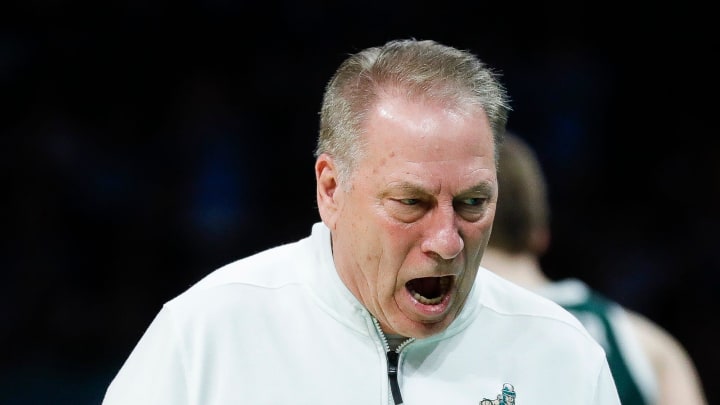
{"x":573,"y":291}
{"x":279,"y":327}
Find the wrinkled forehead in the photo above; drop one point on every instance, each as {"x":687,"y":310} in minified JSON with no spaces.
{"x":421,"y":120}
{"x":417,"y":136}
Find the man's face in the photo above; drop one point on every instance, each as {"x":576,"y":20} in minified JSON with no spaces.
{"x":409,"y":230}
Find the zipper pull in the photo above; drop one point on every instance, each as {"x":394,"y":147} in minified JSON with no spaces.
{"x":393,"y":357}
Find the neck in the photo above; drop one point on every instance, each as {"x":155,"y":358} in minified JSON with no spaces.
{"x":520,"y":268}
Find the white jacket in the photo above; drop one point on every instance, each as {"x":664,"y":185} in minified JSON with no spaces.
{"x":280,"y":327}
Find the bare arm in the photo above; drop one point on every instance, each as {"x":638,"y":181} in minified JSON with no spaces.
{"x":678,"y":380}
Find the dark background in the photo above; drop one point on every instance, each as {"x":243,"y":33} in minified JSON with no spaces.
{"x":143,"y":145}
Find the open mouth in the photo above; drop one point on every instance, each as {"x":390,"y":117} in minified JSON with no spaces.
{"x":429,"y":290}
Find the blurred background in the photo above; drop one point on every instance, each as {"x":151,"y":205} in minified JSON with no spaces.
{"x":144,"y":144}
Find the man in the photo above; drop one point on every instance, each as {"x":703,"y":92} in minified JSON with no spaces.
{"x":384,"y":302}
{"x":648,"y":364}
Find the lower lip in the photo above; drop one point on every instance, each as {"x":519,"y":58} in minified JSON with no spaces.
{"x":431,"y":311}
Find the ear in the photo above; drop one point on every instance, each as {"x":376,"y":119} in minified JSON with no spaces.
{"x":327,"y":189}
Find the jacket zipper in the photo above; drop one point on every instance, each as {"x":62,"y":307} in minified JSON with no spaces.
{"x":393,"y":362}
{"x":392,"y":368}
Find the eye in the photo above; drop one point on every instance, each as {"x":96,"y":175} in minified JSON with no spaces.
{"x":472,"y":201}
{"x":406,"y":209}
{"x":471,"y":208}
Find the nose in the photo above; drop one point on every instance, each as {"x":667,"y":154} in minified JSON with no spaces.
{"x":443,"y":237}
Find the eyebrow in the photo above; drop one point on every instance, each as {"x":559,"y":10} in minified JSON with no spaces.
{"x":482,"y":188}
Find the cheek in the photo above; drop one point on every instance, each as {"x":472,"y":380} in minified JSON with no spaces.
{"x":400,"y":243}
{"x":476,"y":240}
{"x":483,"y":236}
{"x":387,"y":251}
{"x":468,"y":279}
{"x":477,"y":234}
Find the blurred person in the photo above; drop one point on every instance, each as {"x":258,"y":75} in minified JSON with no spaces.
{"x":648,"y":364}
{"x":384,"y":301}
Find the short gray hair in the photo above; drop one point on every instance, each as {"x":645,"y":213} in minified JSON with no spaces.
{"x":420,"y":69}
